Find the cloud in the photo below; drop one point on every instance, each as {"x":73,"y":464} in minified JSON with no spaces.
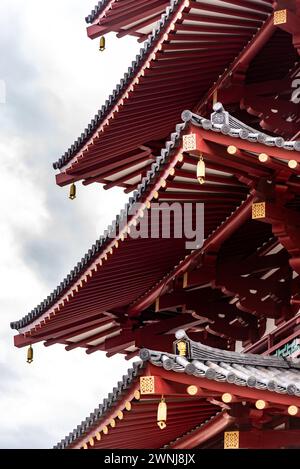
{"x":55,"y":81}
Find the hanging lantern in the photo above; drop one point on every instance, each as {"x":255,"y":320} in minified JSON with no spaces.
{"x":30,"y":354}
{"x":201,"y":170}
{"x":102,"y":44}
{"x":72,"y":195}
{"x":162,"y":414}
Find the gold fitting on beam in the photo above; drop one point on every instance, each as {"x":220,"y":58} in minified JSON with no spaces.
{"x":85,"y":446}
{"x":189,"y":142}
{"x":147,"y":384}
{"x":98,"y":436}
{"x":292,"y":164}
{"x":293,"y":410}
{"x":280,"y":17}
{"x":137,"y":395}
{"x":105,"y":430}
{"x":231,"y":150}
{"x":120,"y":415}
{"x":263,"y":157}
{"x":260,"y":404}
{"x":128,"y":406}
{"x":112,"y":423}
{"x":227,"y":397}
{"x":258,"y":210}
{"x":231,"y":440}
{"x":192,"y":390}
{"x":91,"y":441}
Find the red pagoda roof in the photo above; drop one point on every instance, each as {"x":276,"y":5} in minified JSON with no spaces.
{"x":175,"y":70}
{"x":141,"y":270}
{"x":197,"y":415}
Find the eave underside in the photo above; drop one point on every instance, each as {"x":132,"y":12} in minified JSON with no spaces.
{"x":126,"y":17}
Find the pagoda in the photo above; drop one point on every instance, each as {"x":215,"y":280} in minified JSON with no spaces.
{"x":206,"y":115}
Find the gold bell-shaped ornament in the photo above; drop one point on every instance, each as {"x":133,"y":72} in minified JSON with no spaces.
{"x":102,"y":44}
{"x":30,"y":354}
{"x":162,"y":414}
{"x":201,"y":170}
{"x":72,"y":195}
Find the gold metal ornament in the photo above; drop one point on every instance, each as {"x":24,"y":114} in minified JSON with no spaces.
{"x":102,"y":44}
{"x":293,"y":410}
{"x":201,"y":170}
{"x":105,"y":430}
{"x":162,"y":414}
{"x":30,"y":354}
{"x":192,"y":390}
{"x":280,"y":17}
{"x":72,"y":195}
{"x":258,"y":210}
{"x":182,"y":348}
{"x":232,"y":440}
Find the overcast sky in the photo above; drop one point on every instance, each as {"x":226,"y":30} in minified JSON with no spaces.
{"x":55,"y":80}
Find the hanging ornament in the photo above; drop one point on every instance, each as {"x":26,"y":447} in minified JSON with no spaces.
{"x":72,"y":195}
{"x":102,"y":44}
{"x":30,"y":354}
{"x":201,"y":170}
{"x":162,"y":414}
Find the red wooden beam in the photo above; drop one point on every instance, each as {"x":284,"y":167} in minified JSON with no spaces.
{"x":196,"y":438}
